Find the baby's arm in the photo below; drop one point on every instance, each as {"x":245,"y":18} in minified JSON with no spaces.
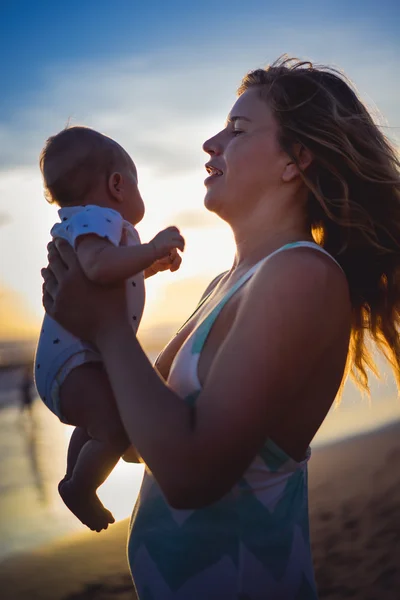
{"x":104,"y":263}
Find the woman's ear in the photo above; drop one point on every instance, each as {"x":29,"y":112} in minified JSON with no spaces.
{"x":116,"y":186}
{"x":304,"y":159}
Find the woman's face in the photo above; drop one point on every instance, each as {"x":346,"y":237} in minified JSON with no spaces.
{"x":246,"y":161}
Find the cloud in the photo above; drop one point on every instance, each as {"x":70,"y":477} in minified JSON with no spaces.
{"x":4,"y":219}
{"x":153,"y":112}
{"x":196,"y":219}
{"x":162,"y":105}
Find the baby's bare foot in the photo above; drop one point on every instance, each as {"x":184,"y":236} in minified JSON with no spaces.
{"x":86,"y":506}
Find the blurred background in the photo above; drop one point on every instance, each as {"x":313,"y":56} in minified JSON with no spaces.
{"x":159,"y":77}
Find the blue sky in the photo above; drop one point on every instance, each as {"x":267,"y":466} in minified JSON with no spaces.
{"x":160,"y":77}
{"x":44,"y":42}
{"x":43,"y":33}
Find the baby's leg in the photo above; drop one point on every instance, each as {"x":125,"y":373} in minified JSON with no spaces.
{"x":95,"y":462}
{"x":78,"y":439}
{"x":86,"y":399}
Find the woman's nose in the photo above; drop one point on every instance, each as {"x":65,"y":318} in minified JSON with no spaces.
{"x":213,"y":145}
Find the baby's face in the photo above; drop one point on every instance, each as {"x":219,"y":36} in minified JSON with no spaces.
{"x":133,"y":202}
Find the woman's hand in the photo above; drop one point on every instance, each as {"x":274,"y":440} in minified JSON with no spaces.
{"x":80,"y":306}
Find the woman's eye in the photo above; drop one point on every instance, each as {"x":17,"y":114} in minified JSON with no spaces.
{"x":236,"y":131}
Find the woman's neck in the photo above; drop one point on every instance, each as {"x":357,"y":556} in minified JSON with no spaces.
{"x":252,"y":248}
{"x":269,"y":225}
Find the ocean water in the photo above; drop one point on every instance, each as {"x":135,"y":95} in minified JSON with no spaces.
{"x":33,"y":447}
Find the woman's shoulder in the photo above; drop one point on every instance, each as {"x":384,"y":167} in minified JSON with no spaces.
{"x":305,"y":263}
{"x":303,"y":275}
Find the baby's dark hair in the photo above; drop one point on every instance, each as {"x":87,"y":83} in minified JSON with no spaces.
{"x":73,"y":160}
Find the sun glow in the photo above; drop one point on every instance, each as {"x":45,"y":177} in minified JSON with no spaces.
{"x":169,"y":296}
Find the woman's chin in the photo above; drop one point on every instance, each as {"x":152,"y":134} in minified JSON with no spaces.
{"x":211,"y":201}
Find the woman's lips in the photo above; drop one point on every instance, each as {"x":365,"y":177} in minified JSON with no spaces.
{"x":212,"y":178}
{"x":213,"y":173}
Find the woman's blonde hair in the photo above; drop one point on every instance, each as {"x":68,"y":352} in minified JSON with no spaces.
{"x":354,"y":195}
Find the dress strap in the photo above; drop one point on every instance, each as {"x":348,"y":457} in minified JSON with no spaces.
{"x":204,"y":328}
{"x":312,"y":245}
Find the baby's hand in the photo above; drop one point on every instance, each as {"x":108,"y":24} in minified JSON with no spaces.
{"x":167,"y":240}
{"x":172,"y":262}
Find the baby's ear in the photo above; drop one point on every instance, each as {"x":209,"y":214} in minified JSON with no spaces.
{"x":116,"y":186}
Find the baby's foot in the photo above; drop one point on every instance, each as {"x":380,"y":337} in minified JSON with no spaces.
{"x":86,"y":506}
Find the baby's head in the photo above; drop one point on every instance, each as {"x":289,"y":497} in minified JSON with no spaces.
{"x":82,"y":166}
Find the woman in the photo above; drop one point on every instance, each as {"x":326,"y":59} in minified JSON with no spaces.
{"x":310,"y":188}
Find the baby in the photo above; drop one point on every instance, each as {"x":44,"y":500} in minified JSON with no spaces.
{"x":94,"y":181}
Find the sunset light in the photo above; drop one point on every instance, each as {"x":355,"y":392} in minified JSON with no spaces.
{"x":253,"y":482}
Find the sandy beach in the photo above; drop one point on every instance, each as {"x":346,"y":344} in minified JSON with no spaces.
{"x":355,"y":517}
{"x":355,"y":528}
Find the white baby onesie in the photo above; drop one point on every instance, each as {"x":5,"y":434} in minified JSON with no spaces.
{"x":58,"y":351}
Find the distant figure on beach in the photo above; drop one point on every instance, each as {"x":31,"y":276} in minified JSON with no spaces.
{"x":95,"y":183}
{"x":27,"y":395}
{"x":310,"y":187}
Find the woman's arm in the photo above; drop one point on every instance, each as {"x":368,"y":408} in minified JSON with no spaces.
{"x":292,"y":312}
{"x":132,"y":455}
